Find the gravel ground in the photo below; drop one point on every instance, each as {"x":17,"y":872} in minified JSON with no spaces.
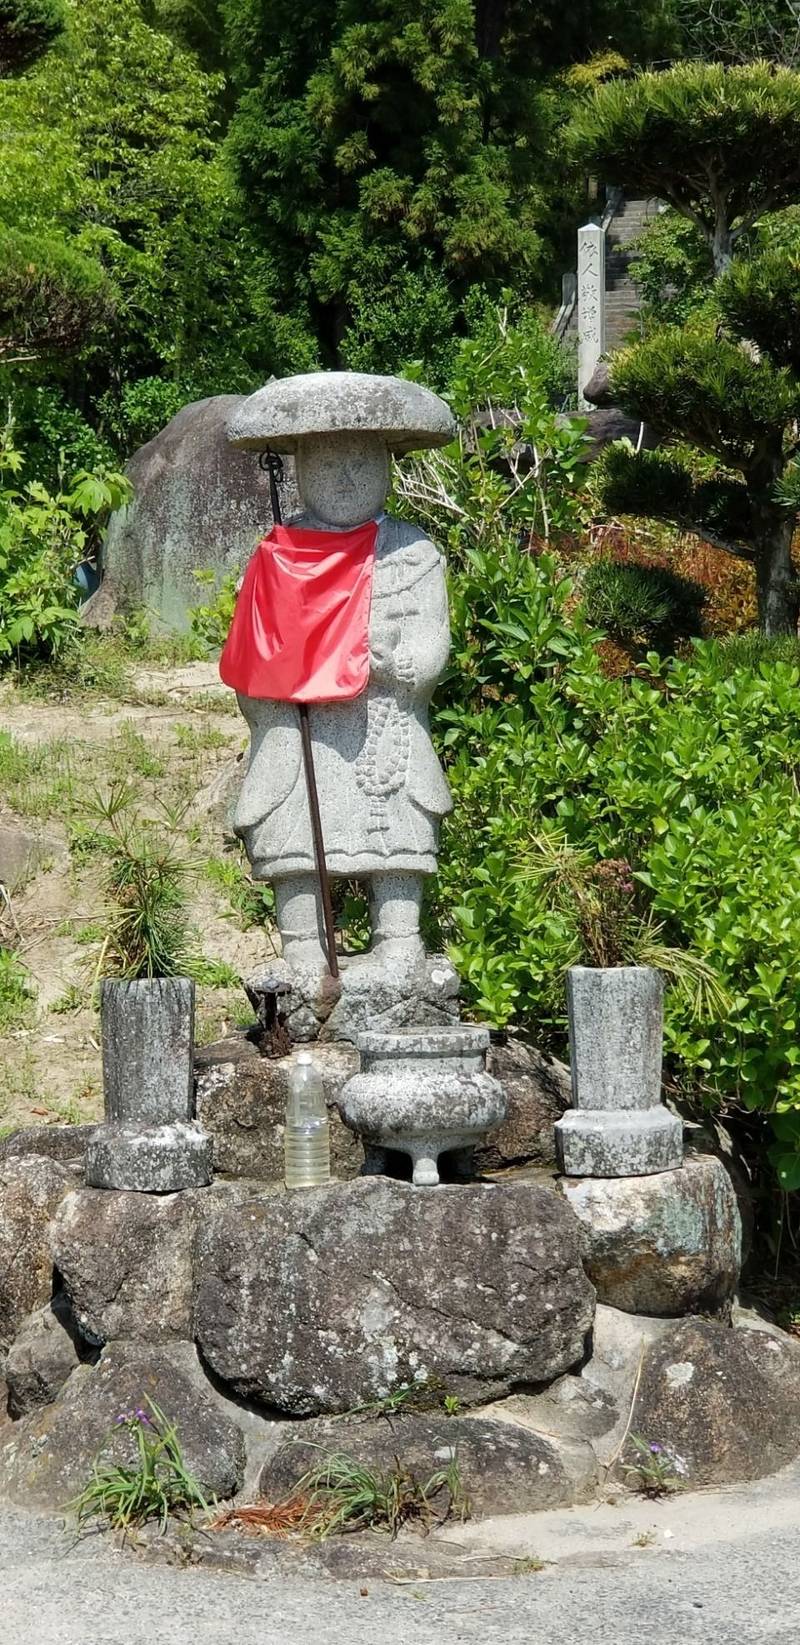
{"x":720,"y":1568}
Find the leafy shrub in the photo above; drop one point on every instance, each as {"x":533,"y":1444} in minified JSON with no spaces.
{"x":210,"y":622}
{"x":642,"y":605}
{"x":52,"y":298}
{"x":56,"y":439}
{"x":43,"y":536}
{"x":142,"y":408}
{"x":752,"y":648}
{"x":687,"y":771}
{"x":515,"y":470}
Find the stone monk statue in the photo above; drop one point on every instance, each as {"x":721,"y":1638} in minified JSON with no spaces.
{"x":343,"y":608}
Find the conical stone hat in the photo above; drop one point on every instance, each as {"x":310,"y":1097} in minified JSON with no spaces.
{"x":288,"y":409}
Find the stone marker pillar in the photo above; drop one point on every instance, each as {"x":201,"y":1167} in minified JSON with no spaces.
{"x":618,"y":1126}
{"x":151,"y":1141}
{"x":591,"y":304}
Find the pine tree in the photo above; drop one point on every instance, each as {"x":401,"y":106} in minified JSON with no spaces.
{"x":722,"y":145}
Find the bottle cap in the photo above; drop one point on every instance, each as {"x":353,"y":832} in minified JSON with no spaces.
{"x":304,"y":1057}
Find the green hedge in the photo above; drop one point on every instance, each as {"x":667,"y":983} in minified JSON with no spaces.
{"x":689,"y":771}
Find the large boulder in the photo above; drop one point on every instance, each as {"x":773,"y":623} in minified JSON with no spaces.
{"x":241,"y":1103}
{"x":44,"y":1353}
{"x":723,"y":1404}
{"x":320,"y":1301}
{"x":46,"y":1458}
{"x":538,"y":1088}
{"x":663,"y":1244}
{"x":198,"y":505}
{"x":502,"y":1468}
{"x":127,"y":1260}
{"x":30,"y":1190}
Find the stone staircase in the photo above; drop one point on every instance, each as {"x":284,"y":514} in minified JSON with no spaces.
{"x":622,"y":301}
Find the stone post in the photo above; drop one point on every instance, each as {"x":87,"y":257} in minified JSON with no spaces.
{"x":591,"y":304}
{"x":618,"y":1126}
{"x":151,"y":1141}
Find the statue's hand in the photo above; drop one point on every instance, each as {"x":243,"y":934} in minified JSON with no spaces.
{"x":383,"y":656}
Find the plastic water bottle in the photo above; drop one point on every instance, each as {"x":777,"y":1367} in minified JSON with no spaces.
{"x":307,"y":1138}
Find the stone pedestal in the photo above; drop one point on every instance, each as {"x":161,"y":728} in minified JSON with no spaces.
{"x":422,"y":1091}
{"x":299,"y":1004}
{"x":618,"y":1126}
{"x":151,"y":1159}
{"x":150,"y":1142}
{"x":666,"y":1244}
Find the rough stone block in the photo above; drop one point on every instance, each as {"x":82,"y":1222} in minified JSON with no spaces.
{"x":503,"y":1468}
{"x":537,"y":1089}
{"x":44,"y":1353}
{"x":197,"y":505}
{"x":667,"y":1244}
{"x":30,"y":1191}
{"x":152,"y":1159}
{"x":46,"y":1458}
{"x":324,"y":1299}
{"x":127,"y":1259}
{"x":396,"y":994}
{"x":622,"y":1143}
{"x":64,"y":1143}
{"x":241,"y":1103}
{"x":724,"y":1404}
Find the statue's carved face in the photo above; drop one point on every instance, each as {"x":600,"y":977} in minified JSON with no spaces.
{"x":343,"y":479}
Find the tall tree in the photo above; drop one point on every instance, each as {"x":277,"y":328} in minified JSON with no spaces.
{"x":377,"y":140}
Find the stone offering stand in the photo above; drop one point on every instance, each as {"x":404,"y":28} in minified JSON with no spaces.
{"x":559,"y":1302}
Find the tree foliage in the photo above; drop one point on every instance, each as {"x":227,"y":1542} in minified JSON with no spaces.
{"x":737,"y":31}
{"x":52,"y":297}
{"x":27,"y":27}
{"x":721,"y":144}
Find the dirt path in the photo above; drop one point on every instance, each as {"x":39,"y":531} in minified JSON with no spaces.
{"x":175,"y":739}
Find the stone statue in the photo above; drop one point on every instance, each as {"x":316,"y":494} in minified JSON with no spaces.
{"x":381,"y":789}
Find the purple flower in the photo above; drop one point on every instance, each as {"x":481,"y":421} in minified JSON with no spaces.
{"x":656,"y":1449}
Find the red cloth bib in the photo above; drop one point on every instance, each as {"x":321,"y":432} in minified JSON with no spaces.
{"x":300,"y":631}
